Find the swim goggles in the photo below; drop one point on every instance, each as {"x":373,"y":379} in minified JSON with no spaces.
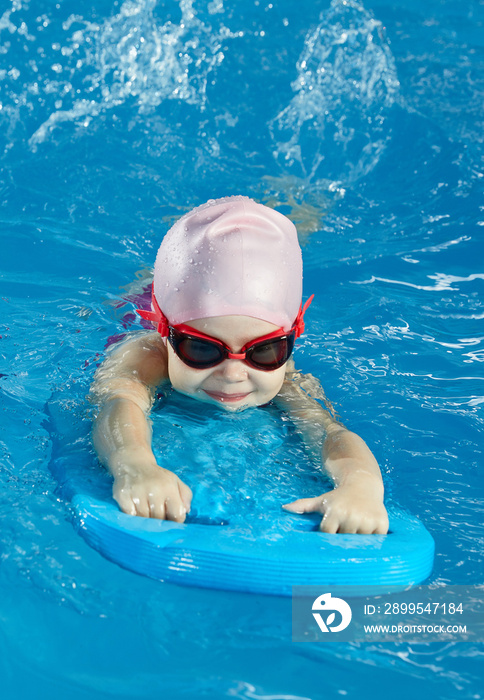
{"x":199,"y":351}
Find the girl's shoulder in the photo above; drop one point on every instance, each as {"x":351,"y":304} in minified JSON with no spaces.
{"x":143,"y":355}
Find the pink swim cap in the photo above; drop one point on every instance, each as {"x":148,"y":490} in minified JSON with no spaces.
{"x":230,"y":256}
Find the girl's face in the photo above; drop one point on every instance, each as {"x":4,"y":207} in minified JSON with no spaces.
{"x":232,"y":384}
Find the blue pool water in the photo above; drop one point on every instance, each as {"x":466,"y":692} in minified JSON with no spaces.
{"x":362,"y":121}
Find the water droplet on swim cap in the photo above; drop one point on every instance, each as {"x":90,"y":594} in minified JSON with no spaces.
{"x":237,"y":257}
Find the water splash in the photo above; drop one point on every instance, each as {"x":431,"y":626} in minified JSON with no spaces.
{"x":131,"y":57}
{"x":135,"y":57}
{"x":334,"y":127}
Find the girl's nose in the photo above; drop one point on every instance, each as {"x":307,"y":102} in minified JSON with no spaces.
{"x":233,"y":370}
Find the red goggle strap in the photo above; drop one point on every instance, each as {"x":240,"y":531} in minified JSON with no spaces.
{"x":299,"y":322}
{"x":156,"y":316}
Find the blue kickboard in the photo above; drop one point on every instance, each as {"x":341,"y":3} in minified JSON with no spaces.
{"x":221,"y":546}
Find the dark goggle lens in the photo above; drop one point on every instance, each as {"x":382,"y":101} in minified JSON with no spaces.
{"x":196,"y":352}
{"x":271,"y":354}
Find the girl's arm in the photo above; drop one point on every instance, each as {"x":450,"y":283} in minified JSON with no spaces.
{"x":356,"y":503}
{"x":123,"y":388}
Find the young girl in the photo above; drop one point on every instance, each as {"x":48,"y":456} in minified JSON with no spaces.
{"x":226,"y":305}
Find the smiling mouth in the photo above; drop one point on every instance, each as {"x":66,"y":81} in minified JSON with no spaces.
{"x":226,"y":398}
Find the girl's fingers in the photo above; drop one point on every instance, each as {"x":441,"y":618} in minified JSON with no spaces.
{"x":157,"y":508}
{"x":305,"y":505}
{"x":125,"y":502}
{"x":329,"y":525}
{"x":382,"y":528}
{"x":142,"y":506}
{"x":174,"y":509}
{"x":186,"y":495}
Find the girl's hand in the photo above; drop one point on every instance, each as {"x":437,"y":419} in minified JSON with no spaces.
{"x":346,"y":509}
{"x":153,"y":492}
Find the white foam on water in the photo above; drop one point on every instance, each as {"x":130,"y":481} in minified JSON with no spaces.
{"x":346,"y":84}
